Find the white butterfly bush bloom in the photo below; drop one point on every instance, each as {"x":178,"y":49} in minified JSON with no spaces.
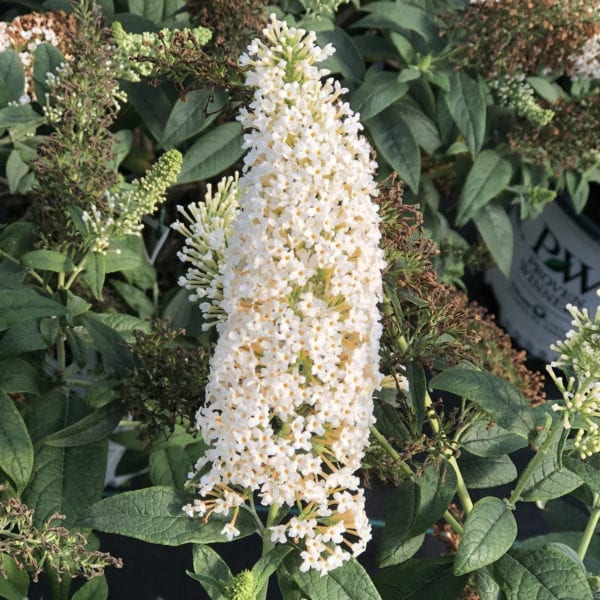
{"x":579,"y":356}
{"x":289,"y":398}
{"x":207,"y":230}
{"x":587,"y":63}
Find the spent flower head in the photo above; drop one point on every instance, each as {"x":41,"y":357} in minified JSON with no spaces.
{"x":48,"y":546}
{"x":207,"y":230}
{"x":289,"y":397}
{"x":147,"y":48}
{"x":25,"y":33}
{"x":579,"y":358}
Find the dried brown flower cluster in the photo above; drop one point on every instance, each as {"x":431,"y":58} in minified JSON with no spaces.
{"x":234,"y":23}
{"x":74,"y":162}
{"x":47,"y":547}
{"x":569,"y":141}
{"x":508,"y":37}
{"x":26,"y":32}
{"x":438,"y":323}
{"x":189,"y":65}
{"x":167,"y":385}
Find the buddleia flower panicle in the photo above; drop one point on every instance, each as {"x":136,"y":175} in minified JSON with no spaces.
{"x":124,"y":207}
{"x":579,"y":358}
{"x":132,"y":45}
{"x":587,"y":63}
{"x":207,"y":229}
{"x":289,"y":396}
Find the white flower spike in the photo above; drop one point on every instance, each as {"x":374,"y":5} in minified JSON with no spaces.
{"x":289,"y":398}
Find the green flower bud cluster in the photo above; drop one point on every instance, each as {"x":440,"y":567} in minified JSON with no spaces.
{"x":518,"y":94}
{"x":125,"y":207}
{"x":322,"y":7}
{"x":131,"y":45}
{"x":578,"y":355}
{"x":241,"y":587}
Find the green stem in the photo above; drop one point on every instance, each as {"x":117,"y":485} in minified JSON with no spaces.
{"x":61,"y":356}
{"x":31,"y":272}
{"x":590,"y":529}
{"x":458,"y":528}
{"x":529,"y":470}
{"x":461,"y":490}
{"x":390,"y":450}
{"x":461,"y":487}
{"x":268,"y":545}
{"x":74,"y":274}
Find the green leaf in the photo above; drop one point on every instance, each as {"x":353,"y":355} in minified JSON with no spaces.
{"x":479,"y":472}
{"x":488,"y":177}
{"x":152,"y":104}
{"x":437,"y":486}
{"x":17,"y":375}
{"x":400,"y":17}
{"x":210,"y":570}
{"x":18,"y":238}
{"x":549,"y":479}
{"x":490,"y":530}
{"x":123,"y":324}
{"x":95,"y":273}
{"x":393,"y":550}
{"x":418,"y":579}
{"x":466,"y":104}
{"x":123,"y":140}
{"x":66,"y":481}
{"x":48,"y":260}
{"x":135,"y":298}
{"x":189,"y":117}
{"x":22,"y":116}
{"x":153,"y":10}
{"x":486,"y":587}
{"x":348,"y":582}
{"x":578,"y":188}
{"x":110,"y":344}
{"x":16,"y":170}
{"x":395,"y":142}
{"x":16,"y":449}
{"x":401,"y":509}
{"x":501,"y":400}
{"x":169,"y":466}
{"x":347,"y":59}
{"x":12,"y":75}
{"x":545,"y":88}
{"x":24,"y":304}
{"x":16,"y":584}
{"x":212,"y":153}
{"x":124,"y":255}
{"x":548,"y":573}
{"x":156,"y":515}
{"x":94,"y":589}
{"x":376,"y":93}
{"x":22,"y":337}
{"x":417,"y":394}
{"x":421,"y":126}
{"x":268,"y":564}
{"x":497,"y":233}
{"x":94,"y":427}
{"x":46,"y":59}
{"x":569,"y":538}
{"x":588,"y":469}
{"x":411,"y":509}
{"x":486,"y":438}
